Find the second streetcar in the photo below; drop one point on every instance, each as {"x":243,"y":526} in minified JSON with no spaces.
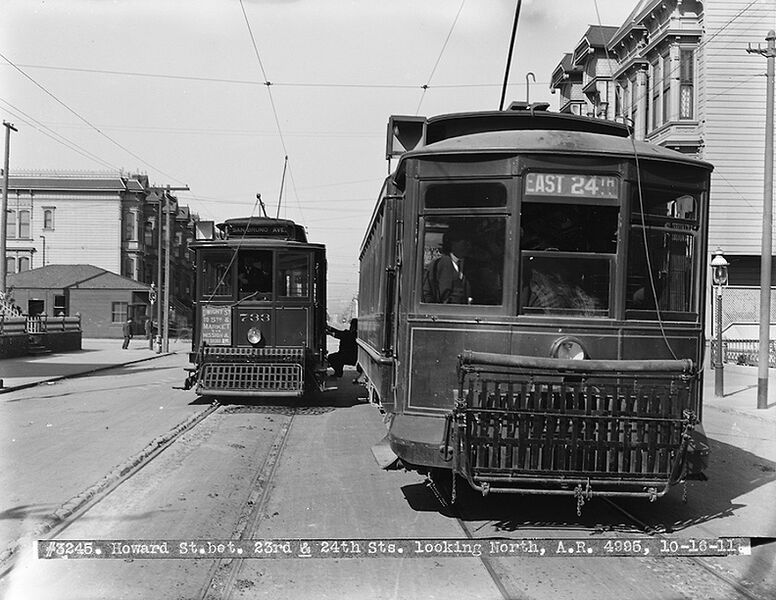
{"x":260,"y":310}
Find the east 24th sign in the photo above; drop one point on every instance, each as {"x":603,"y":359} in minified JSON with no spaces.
{"x":580,"y":186}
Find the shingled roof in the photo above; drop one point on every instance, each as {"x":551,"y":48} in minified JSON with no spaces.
{"x":73,"y":276}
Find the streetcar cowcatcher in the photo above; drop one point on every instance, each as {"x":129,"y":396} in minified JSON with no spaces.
{"x":526,"y":424}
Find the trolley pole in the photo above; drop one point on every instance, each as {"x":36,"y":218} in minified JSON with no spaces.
{"x":765,"y":266}
{"x":4,"y":210}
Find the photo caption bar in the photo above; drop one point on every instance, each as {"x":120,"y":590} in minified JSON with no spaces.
{"x":285,"y":548}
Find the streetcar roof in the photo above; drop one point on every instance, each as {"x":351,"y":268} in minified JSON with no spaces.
{"x":549,"y":141}
{"x":535,"y":132}
{"x":451,"y":125}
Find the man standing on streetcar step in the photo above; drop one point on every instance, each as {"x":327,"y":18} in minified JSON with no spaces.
{"x":348,"y":352}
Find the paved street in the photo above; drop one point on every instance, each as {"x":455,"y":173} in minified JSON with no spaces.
{"x":260,"y":470}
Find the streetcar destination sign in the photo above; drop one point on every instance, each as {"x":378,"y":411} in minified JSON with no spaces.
{"x":575,"y":186}
{"x":217,"y":325}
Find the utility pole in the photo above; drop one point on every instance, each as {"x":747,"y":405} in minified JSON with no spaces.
{"x":163,"y":290}
{"x":4,"y":211}
{"x":159,"y":294}
{"x":167,"y":274}
{"x":765,"y":266}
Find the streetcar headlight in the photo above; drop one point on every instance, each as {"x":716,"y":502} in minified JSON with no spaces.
{"x":254,"y":335}
{"x":568,"y":349}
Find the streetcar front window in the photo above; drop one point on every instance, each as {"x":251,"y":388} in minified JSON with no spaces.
{"x":463,"y":259}
{"x":254,"y":274}
{"x":293,"y":275}
{"x":217,"y":274}
{"x":568,"y":252}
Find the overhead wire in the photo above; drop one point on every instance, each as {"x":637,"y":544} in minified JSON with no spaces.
{"x":396,"y":86}
{"x":268,"y":85}
{"x":85,"y":120}
{"x":425,"y":87}
{"x":57,"y":137}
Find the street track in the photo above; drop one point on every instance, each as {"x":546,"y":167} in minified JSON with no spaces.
{"x":224,"y":573}
{"x":227,"y":578}
{"x":704,"y":564}
{"x":441,"y":492}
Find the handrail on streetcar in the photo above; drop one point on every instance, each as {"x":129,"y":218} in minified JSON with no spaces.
{"x":490,"y":359}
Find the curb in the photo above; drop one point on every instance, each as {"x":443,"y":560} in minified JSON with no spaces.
{"x":729,"y":410}
{"x":23,"y":386}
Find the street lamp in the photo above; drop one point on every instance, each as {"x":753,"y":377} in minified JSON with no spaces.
{"x":719,"y":275}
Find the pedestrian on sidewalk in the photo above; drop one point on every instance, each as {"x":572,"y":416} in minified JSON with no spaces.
{"x":126,"y":329}
{"x":149,"y":331}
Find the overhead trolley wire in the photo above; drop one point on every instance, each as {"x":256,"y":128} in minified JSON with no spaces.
{"x":268,"y":85}
{"x":426,"y":86}
{"x":59,"y":138}
{"x":84,"y":120}
{"x":396,"y":86}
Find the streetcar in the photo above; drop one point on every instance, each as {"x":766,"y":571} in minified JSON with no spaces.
{"x":531,"y":304}
{"x":260,"y":310}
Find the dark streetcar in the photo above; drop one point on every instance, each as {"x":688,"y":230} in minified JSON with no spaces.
{"x":260,"y":310}
{"x":531,"y":305}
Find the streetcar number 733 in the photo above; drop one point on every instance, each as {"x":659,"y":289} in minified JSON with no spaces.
{"x":254,"y":317}
{"x":579,"y":186}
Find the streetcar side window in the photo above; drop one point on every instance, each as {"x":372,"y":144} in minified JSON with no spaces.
{"x":670,"y":258}
{"x":661,"y":254}
{"x":217,"y":274}
{"x":463,"y":259}
{"x":293,"y":275}
{"x":254,"y":274}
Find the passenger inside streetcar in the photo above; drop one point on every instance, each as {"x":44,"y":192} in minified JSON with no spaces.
{"x":464,"y":261}
{"x":255,"y":273}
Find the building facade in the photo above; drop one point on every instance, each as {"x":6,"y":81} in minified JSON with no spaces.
{"x":683,"y":79}
{"x":113,"y":221}
{"x":103,"y":300}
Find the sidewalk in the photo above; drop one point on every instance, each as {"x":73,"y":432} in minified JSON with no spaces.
{"x":95,"y":355}
{"x":740,"y":392}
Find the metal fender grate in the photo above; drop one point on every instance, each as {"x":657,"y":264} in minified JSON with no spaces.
{"x":546,"y":421}
{"x":252,"y":377}
{"x":622,"y":428}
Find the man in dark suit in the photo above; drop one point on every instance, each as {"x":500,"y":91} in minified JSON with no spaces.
{"x":445,"y":281}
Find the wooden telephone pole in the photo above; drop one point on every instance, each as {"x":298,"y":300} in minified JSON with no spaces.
{"x":767,"y":243}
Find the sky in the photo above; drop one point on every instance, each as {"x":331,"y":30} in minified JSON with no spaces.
{"x":176,"y":89}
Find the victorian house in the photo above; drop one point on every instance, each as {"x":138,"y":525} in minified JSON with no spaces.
{"x":682,"y":78}
{"x":112,"y":221}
